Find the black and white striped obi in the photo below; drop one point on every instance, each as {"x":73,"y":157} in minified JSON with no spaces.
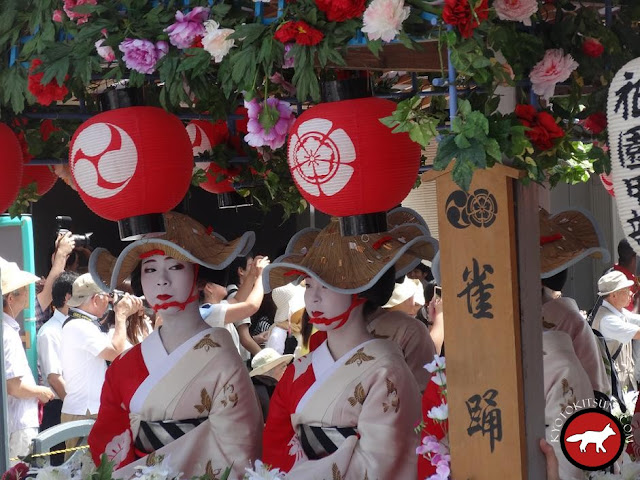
{"x":319,"y":442}
{"x":153,"y":436}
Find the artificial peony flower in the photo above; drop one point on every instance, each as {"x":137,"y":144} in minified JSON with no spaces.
{"x":57,"y":16}
{"x":45,"y":94}
{"x":17,"y":472}
{"x":215,"y":41}
{"x":142,"y":55}
{"x":275,"y":136}
{"x":289,"y":60}
{"x":516,"y":10}
{"x":383,"y":19}
{"x":592,"y":47}
{"x":458,"y":13}
{"x":105,"y":52}
{"x":440,"y":413}
{"x":554,"y":68}
{"x":299,"y":32}
{"x":439,"y":378}
{"x":288,"y":87}
{"x":341,"y":10}
{"x":187,"y":27}
{"x":543,"y":128}
{"x":438,"y":364}
{"x":80,"y":18}
{"x":595,"y":123}
{"x":47,"y":128}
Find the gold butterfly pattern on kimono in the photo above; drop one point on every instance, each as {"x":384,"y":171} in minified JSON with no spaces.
{"x":230,"y":396}
{"x":568,"y":394}
{"x":359,"y":396}
{"x":359,"y":358}
{"x":206,"y":343}
{"x":206,"y":402}
{"x":393,"y":401}
{"x":210,"y":473}
{"x":337,"y":475}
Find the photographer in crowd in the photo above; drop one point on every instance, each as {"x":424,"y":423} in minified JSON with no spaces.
{"x":86,"y":348}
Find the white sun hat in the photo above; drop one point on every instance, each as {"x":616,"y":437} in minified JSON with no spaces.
{"x":288,"y":299}
{"x":402,"y":291}
{"x":612,"y":282}
{"x":13,"y":278}
{"x":266,"y":359}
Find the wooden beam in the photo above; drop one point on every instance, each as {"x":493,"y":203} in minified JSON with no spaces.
{"x":395,"y":56}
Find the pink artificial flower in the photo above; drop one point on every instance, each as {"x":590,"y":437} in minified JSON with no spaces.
{"x":187,"y":27}
{"x":288,"y":87}
{"x":383,"y":19}
{"x":142,"y":55}
{"x":554,"y":68}
{"x":289,"y":60}
{"x":106,"y":52}
{"x":80,"y":18}
{"x":274,"y":137}
{"x":516,"y":10}
{"x":217,"y":41}
{"x":57,"y":16}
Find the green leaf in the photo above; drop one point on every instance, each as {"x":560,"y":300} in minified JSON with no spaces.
{"x":461,"y":141}
{"x":462,"y":174}
{"x":248,"y":32}
{"x":464,"y":108}
{"x":420,"y":135}
{"x":493,"y":150}
{"x":447,"y":150}
{"x":375,"y":46}
{"x":388,"y":121}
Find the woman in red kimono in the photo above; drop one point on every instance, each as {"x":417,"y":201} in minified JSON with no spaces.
{"x":182,"y":394}
{"x":348,"y":409}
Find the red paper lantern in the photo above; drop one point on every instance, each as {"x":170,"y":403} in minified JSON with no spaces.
{"x":131,"y":165}
{"x":345,"y":162}
{"x":204,"y":136}
{"x":42,"y":175}
{"x":10,"y":166}
{"x":607,"y":182}
{"x":213,"y":185}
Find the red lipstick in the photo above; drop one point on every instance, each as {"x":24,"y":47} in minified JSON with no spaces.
{"x":163,"y":297}
{"x":316,"y":313}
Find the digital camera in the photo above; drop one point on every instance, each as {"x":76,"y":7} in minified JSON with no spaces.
{"x":63,"y":225}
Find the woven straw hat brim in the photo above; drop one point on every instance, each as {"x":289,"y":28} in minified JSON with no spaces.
{"x":581,"y":237}
{"x":269,"y":365}
{"x":14,"y":279}
{"x":351,"y":264}
{"x":186,"y":240}
{"x":401,"y":215}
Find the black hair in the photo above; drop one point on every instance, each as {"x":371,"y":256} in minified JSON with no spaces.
{"x":136,"y":280}
{"x":625,"y":252}
{"x":240,"y":262}
{"x":380,"y":293}
{"x":557,"y":281}
{"x":208,"y":275}
{"x":62,"y":285}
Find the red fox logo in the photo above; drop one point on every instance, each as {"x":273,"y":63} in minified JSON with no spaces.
{"x":594,"y":437}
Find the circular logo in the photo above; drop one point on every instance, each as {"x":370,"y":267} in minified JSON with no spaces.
{"x":318,"y":157}
{"x":592,"y":439}
{"x":103,"y":160}
{"x":482,"y":208}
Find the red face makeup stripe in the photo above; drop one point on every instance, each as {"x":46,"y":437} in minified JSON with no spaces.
{"x":292,"y":272}
{"x":151,"y":253}
{"x":180,"y":305}
{"x":343,"y":317}
{"x":544,"y":239}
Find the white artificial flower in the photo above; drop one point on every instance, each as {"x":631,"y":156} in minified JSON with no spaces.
{"x":54,"y":473}
{"x":438,"y":364}
{"x":215,"y":41}
{"x":383,"y":19}
{"x":262,"y":472}
{"x":440,"y":379}
{"x":440,"y":413}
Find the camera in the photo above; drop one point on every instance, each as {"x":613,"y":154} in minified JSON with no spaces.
{"x":63,"y":225}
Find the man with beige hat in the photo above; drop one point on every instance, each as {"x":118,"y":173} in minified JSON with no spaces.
{"x":617,"y":324}
{"x":23,"y":393}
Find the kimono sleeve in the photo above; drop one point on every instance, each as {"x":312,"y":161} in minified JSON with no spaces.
{"x":278,"y":431}
{"x":385,"y":446}
{"x":111,"y":434}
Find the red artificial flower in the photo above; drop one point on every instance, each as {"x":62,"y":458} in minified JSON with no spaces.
{"x":45,"y":94}
{"x":26,"y":156}
{"x":543,"y":128}
{"x":17,"y":472}
{"x":47,"y":128}
{"x":197,"y":42}
{"x":300,"y":32}
{"x":458,"y":13}
{"x":341,"y":10}
{"x":595,"y":123}
{"x":592,"y":47}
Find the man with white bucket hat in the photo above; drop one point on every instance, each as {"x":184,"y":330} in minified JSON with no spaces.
{"x":23,"y":393}
{"x":617,"y":324}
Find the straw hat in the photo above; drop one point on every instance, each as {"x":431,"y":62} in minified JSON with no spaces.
{"x":12,"y":278}
{"x":566,"y":238}
{"x":402,"y":291}
{"x":350,"y":264}
{"x":612,"y":282}
{"x":266,"y":359}
{"x":289,"y":299}
{"x":185,"y":240}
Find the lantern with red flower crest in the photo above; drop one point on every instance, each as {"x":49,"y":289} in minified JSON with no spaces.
{"x":131,"y":165}
{"x":346,"y":163}
{"x":11,"y":164}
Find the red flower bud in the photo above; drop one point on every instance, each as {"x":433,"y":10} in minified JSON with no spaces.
{"x":595,"y":123}
{"x":592,"y":47}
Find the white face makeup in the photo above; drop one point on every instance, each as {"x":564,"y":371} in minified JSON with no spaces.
{"x":166,"y":281}
{"x":322,"y":302}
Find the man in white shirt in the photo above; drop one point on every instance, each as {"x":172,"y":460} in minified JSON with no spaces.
{"x":617,"y":324}
{"x":86,"y":348}
{"x":23,"y":393}
{"x":50,"y":353}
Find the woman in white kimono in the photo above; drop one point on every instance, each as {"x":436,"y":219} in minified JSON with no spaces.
{"x":348,"y":409}
{"x":183,"y":393}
